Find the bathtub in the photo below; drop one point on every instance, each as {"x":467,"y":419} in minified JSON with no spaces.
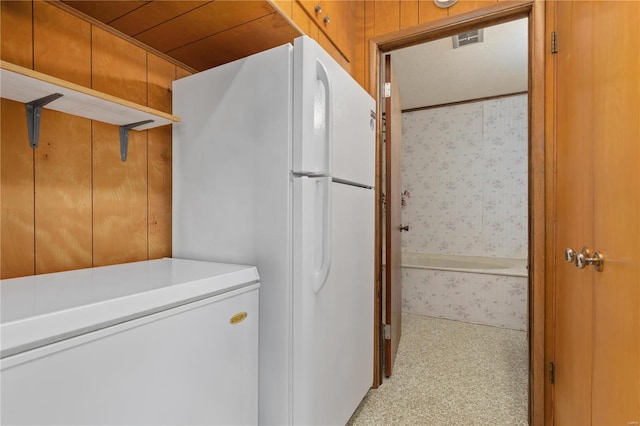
{"x":480,"y":290}
{"x":472,"y":264}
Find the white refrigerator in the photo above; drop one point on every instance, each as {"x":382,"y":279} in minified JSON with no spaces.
{"x":274,"y":166}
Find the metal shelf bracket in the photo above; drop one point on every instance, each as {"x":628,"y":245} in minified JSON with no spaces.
{"x":124,"y":137}
{"x":34,"y":110}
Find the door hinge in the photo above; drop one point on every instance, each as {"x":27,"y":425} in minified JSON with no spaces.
{"x":387,"y":90}
{"x":387,"y":331}
{"x":552,"y":373}
{"x":554,"y":42}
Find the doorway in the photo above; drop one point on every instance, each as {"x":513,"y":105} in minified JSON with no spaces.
{"x":500,"y":13}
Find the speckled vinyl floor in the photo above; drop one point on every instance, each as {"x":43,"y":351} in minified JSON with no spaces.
{"x":451,"y":373}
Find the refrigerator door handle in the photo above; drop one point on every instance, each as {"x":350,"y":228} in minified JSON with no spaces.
{"x":327,"y":144}
{"x":312,"y":119}
{"x":312,"y":231}
{"x":322,"y":273}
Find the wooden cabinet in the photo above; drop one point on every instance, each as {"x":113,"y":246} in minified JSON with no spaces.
{"x":336,"y":19}
{"x":597,"y":205}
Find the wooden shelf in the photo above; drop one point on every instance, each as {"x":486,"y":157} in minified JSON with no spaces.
{"x":25,"y":85}
{"x":37,"y":91}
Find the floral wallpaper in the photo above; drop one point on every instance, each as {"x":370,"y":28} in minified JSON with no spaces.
{"x":464,"y":174}
{"x":496,"y":300}
{"x":465,"y":168}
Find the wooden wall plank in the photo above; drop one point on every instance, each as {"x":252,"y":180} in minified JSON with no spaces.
{"x":160,"y":74}
{"x":61,"y":39}
{"x":16,"y":35}
{"x":159,"y":203}
{"x":63,"y":211}
{"x":17,"y":209}
{"x":360,"y":46}
{"x":369,"y":33}
{"x":118,"y":67}
{"x":387,"y":17}
{"x":342,"y":26}
{"x":409,"y":14}
{"x":428,"y":11}
{"x":468,"y":5}
{"x":119,"y":197}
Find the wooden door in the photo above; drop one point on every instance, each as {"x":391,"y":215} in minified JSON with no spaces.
{"x":393,"y":272}
{"x":574,"y":220}
{"x":616,"y":223}
{"x":597,"y":320}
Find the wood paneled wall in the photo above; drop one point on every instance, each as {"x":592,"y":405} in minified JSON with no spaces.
{"x":71,"y":203}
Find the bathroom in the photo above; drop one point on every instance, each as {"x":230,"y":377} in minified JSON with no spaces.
{"x":465,"y":178}
{"x":464,"y":254}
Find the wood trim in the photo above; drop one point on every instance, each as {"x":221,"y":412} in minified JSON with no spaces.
{"x":495,"y":14}
{"x":550,"y":210}
{"x":498,"y":13}
{"x":105,"y":27}
{"x":537,"y":219}
{"x":377,"y":312}
{"x":468,"y":101}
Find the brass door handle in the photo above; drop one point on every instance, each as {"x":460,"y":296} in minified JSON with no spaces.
{"x":569,"y":255}
{"x":584,"y":258}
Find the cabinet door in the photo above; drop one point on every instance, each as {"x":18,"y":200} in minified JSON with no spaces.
{"x":336,"y":19}
{"x":597,"y":192}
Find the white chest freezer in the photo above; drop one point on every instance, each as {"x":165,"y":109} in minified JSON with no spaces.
{"x":157,"y":342}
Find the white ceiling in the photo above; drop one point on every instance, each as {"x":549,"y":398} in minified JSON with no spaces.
{"x":435,"y":73}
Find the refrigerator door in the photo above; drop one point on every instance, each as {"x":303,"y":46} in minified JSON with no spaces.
{"x":332,"y":324}
{"x":333,"y":118}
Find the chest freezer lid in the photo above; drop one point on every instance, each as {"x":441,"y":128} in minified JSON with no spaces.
{"x":43,"y":309}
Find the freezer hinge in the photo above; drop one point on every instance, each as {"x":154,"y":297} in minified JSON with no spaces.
{"x":387,"y":331}
{"x":554,"y":42}
{"x":387,"y":90}
{"x":552,"y":372}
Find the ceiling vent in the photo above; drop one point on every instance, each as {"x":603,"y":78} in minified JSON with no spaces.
{"x":471,"y":37}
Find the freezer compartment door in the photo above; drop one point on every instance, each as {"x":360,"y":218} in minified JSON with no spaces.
{"x":312,"y":225}
{"x":333,"y":118}
{"x":333,"y":328}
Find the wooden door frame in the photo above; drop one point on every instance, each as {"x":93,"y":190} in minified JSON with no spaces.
{"x":497,"y":13}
